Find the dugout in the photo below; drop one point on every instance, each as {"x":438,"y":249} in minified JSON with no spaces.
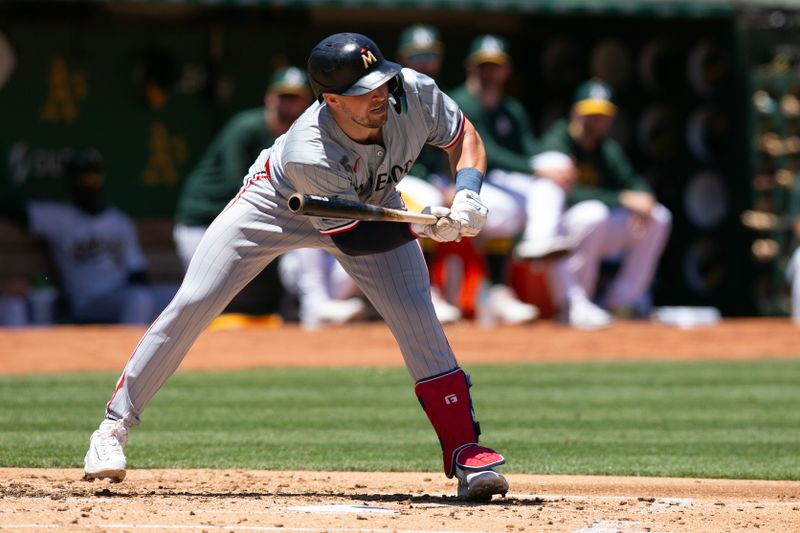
{"x":150,"y":82}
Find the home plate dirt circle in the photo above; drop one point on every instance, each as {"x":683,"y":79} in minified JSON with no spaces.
{"x":245,"y":500}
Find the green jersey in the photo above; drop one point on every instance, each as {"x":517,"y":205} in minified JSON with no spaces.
{"x":506,"y":131}
{"x":218,"y":175}
{"x":602,"y":173}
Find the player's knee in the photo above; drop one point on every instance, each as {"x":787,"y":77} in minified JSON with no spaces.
{"x":593,"y":213}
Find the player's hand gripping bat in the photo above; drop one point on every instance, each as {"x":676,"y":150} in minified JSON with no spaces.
{"x":329,"y":207}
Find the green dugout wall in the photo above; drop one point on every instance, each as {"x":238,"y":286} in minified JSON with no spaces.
{"x":149,"y":84}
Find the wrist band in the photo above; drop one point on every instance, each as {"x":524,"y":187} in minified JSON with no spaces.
{"x":469,"y":178}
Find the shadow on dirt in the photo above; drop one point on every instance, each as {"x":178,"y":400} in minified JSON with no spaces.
{"x":402,"y":498}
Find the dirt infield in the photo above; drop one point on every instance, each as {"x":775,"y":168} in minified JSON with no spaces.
{"x":214,"y":500}
{"x":83,"y":348}
{"x":217,"y":500}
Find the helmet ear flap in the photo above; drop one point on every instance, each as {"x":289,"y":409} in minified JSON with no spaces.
{"x":397,"y":94}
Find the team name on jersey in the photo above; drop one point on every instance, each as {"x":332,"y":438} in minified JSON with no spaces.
{"x":379,"y":182}
{"x":95,"y":247}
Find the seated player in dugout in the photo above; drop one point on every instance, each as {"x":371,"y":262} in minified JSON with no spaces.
{"x":95,"y":249}
{"x":504,"y":126}
{"x":370,"y":120}
{"x":610,"y":210}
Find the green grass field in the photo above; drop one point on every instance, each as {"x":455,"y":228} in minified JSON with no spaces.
{"x":710,"y":419}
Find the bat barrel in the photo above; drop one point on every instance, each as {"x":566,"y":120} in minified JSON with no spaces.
{"x":296,"y":202}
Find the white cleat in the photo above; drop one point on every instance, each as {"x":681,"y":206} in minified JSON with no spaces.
{"x":446,"y":312}
{"x":506,"y":308}
{"x":480,"y":486}
{"x":583,"y":314}
{"x":333,"y":312}
{"x":106,"y":455}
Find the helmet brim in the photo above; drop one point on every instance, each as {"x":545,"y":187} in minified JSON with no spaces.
{"x":382,"y":74}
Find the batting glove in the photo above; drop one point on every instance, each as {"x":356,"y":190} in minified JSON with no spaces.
{"x":446,"y":229}
{"x":468,"y":209}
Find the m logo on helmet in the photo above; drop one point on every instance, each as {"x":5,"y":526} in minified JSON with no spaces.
{"x":367,"y":57}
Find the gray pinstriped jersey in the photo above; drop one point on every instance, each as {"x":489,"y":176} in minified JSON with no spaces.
{"x":316,"y":157}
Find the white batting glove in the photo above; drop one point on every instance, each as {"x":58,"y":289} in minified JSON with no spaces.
{"x":446,"y":229}
{"x":468,"y":209}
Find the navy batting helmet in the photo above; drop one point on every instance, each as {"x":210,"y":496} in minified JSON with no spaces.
{"x":349,"y":64}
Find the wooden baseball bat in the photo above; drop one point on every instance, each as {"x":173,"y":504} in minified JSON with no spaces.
{"x":332,"y":207}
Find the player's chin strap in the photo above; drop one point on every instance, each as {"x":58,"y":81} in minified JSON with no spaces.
{"x":445,"y":399}
{"x":397,"y":94}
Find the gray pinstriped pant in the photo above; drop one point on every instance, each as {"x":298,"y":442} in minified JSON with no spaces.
{"x":252,"y":231}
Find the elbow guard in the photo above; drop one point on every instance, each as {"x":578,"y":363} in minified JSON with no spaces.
{"x":373,"y":237}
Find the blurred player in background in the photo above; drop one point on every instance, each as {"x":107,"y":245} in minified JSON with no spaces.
{"x":510,"y":145}
{"x":553,"y":232}
{"x":613,"y":210}
{"x":95,"y":249}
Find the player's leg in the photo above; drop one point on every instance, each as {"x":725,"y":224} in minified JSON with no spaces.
{"x":587,"y":223}
{"x":573,"y":279}
{"x":397,"y":284}
{"x":129,"y":304}
{"x":642,"y":242}
{"x":13,"y":311}
{"x":542,"y":238}
{"x":238,"y":245}
{"x":418,"y":194}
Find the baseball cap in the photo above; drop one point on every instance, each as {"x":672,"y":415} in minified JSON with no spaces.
{"x":489,"y":49}
{"x":594,"y":97}
{"x":419,"y":40}
{"x":289,"y":80}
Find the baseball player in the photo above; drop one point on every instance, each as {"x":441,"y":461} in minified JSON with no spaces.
{"x":611,"y":210}
{"x":553,"y":232}
{"x":95,"y":249}
{"x":369,"y":122}
{"x":325,"y":292}
{"x":504,"y":126}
